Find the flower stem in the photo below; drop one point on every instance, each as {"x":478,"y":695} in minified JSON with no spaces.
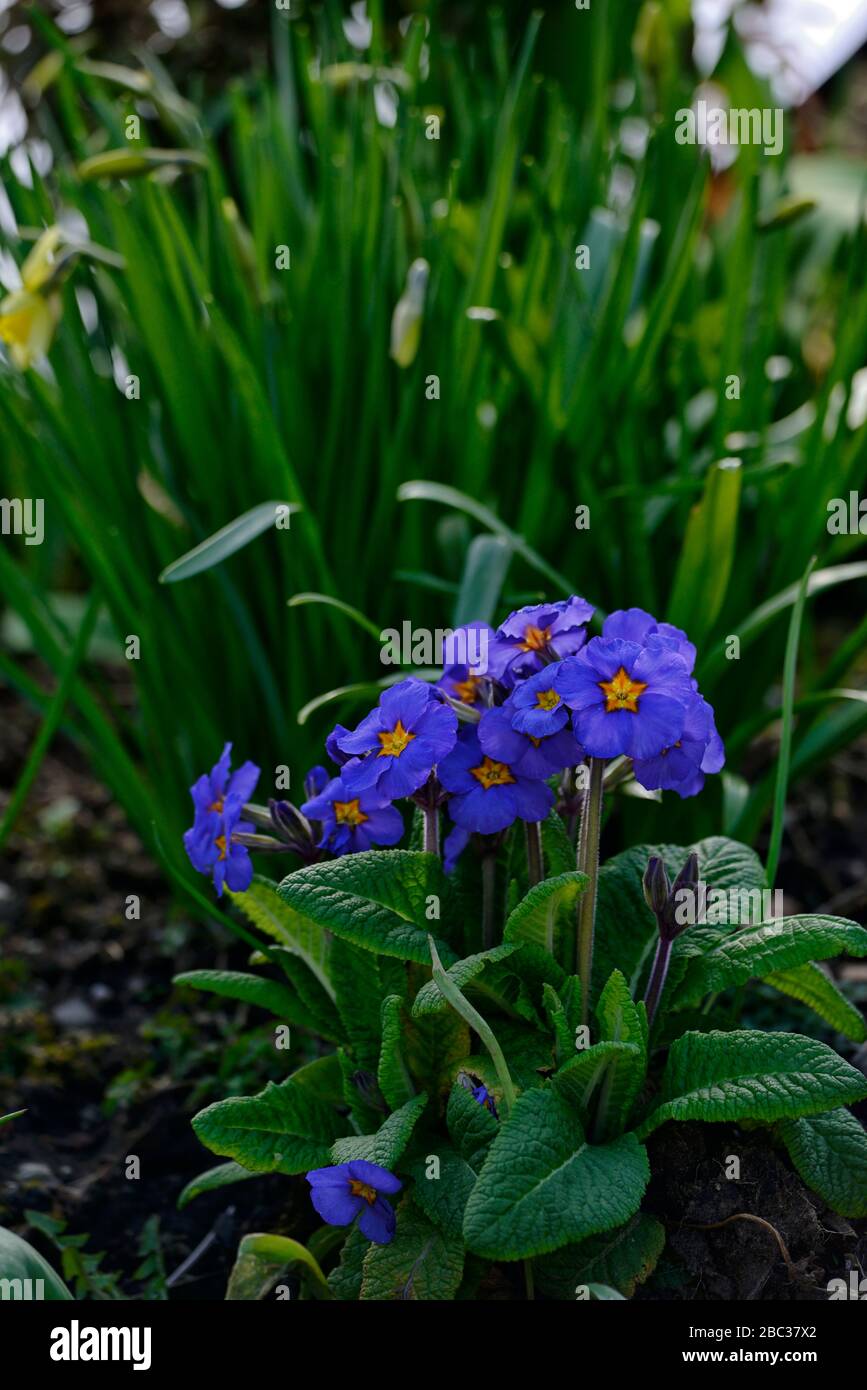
{"x":657,"y":978}
{"x":533,"y":835}
{"x":462,"y":1006}
{"x":431,"y":833}
{"x":489,"y":889}
{"x":588,"y":863}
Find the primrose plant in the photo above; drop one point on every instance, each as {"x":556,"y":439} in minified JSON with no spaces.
{"x":495,"y":1026}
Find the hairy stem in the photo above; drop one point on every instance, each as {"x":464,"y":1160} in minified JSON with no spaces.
{"x":657,"y":978}
{"x":431,"y":833}
{"x":588,"y":863}
{"x":533,"y":836}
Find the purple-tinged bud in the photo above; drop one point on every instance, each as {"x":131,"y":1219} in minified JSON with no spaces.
{"x":657,"y":888}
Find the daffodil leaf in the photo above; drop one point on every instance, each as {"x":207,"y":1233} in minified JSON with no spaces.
{"x":746,"y":1075}
{"x":227,"y":540}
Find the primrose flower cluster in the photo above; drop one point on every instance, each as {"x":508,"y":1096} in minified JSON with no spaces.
{"x":490,"y":742}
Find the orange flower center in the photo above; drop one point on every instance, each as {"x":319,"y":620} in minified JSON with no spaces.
{"x":622,"y":692}
{"x":394,"y":741}
{"x":468,"y":690}
{"x":547,"y":699}
{"x":220,"y":842}
{"x":349,"y":812}
{"x":535,"y":638}
{"x":217,"y":806}
{"x":362,"y":1189}
{"x":492,"y":774}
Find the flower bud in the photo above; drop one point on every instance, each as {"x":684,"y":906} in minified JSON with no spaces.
{"x":656,"y":886}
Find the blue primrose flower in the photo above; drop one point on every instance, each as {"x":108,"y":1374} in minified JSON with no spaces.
{"x":635,"y":625}
{"x":340,"y":1193}
{"x":218,"y":798}
{"x":526,"y":754}
{"x":536,"y":634}
{"x":400,"y":742}
{"x":626,"y":698}
{"x":353,"y":819}
{"x":682,"y":766}
{"x":487,"y":793}
{"x":465,"y":680}
{"x":537,"y":707}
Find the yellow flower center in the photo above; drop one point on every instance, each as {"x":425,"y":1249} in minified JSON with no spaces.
{"x":547,"y":699}
{"x":468,"y":690}
{"x":492,"y":774}
{"x":220,"y":842}
{"x":622,"y":692}
{"x":394,"y":741}
{"x":217,"y":806}
{"x":535,"y":638}
{"x":349,"y":813}
{"x":362,"y":1189}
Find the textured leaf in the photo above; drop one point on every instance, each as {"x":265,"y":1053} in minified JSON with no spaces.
{"x":318,"y":1001}
{"x":392,"y":1073}
{"x":543,"y":1186}
{"x":324,"y":1077}
{"x":377,"y":900}
{"x":557,"y":848}
{"x":813,"y":987}
{"x":434,"y":1048}
{"x":283,"y":1129}
{"x":757,"y":951}
{"x":621,"y":1020}
{"x":830,"y":1153}
{"x":250,"y":989}
{"x":262,"y":906}
{"x":443,"y":1199}
{"x":582,"y":1078}
{"x":361,"y":982}
{"x":345,"y":1279}
{"x":622,"y":1258}
{"x":752,"y":1076}
{"x":546,"y":916}
{"x":388,"y":1143}
{"x":214,"y":1178}
{"x":625,"y":926}
{"x":421,"y":1264}
{"x":471,"y":1126}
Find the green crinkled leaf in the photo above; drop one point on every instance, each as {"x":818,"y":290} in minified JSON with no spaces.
{"x":430,"y":1000}
{"x":251,"y":989}
{"x":752,"y":1076}
{"x":555,"y":1011}
{"x":443,"y":1199}
{"x":813,"y":987}
{"x":361,"y":1093}
{"x":422,"y":1263}
{"x":212,"y":1179}
{"x":546,"y":916}
{"x":388,"y":1143}
{"x":529,"y":1055}
{"x":622,"y":1258}
{"x":279,"y":920}
{"x":378,"y":900}
{"x":625,"y":926}
{"x":283,"y":1129}
{"x":557,"y":849}
{"x":393,"y":1074}
{"x":757,"y":951}
{"x":361,"y":982}
{"x":471,"y":1126}
{"x":543,"y":1186}
{"x":582,"y":1078}
{"x":345,"y":1279}
{"x":324,"y":1077}
{"x":830,"y":1153}
{"x":621,"y":1020}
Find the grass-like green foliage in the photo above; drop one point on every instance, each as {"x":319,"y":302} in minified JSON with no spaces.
{"x":556,"y":1174}
{"x":602,"y":387}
